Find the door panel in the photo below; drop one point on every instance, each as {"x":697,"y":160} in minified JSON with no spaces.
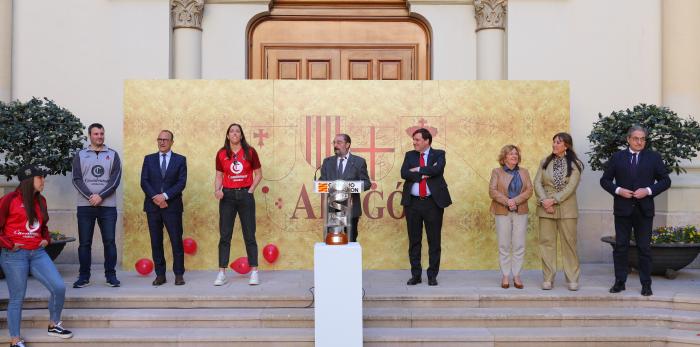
{"x":295,"y":64}
{"x":347,"y":63}
{"x":378,"y":64}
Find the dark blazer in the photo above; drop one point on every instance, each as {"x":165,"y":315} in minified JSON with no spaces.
{"x":152,"y":183}
{"x":355,"y":170}
{"x":434,"y":168}
{"x":651,"y":172}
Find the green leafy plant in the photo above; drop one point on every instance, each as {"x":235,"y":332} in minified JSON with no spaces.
{"x":673,"y":137}
{"x":56,"y":235}
{"x":684,"y":234}
{"x":40,"y":133}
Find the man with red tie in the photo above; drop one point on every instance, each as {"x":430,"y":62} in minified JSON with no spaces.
{"x":425,"y":198}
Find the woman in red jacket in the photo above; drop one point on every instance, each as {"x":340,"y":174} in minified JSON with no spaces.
{"x":23,"y":236}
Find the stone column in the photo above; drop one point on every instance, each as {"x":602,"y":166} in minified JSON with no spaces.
{"x":490,"y":39}
{"x":5,"y":50}
{"x":681,"y":54}
{"x":187,"y":38}
{"x":681,"y":93}
{"x":6,"y":70}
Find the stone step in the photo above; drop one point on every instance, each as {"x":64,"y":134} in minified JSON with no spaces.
{"x":424,"y":297}
{"x":530,"y":337}
{"x":519,"y":337}
{"x":171,"y":318}
{"x":532,"y":298}
{"x":194,"y":337}
{"x":373,"y":318}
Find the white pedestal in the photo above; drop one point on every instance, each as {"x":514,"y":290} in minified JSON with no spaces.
{"x":338,"y":295}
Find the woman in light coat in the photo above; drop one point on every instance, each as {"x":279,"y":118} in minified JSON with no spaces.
{"x":555,"y":185}
{"x":509,"y":189}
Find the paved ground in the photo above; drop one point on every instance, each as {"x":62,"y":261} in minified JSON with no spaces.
{"x":595,"y":280}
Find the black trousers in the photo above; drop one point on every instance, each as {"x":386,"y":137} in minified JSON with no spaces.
{"x":237,"y":201}
{"x":173,"y":224}
{"x":353,"y":235}
{"x":418,"y":213}
{"x":641,"y":225}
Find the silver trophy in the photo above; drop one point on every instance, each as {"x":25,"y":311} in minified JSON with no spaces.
{"x":337,"y":225}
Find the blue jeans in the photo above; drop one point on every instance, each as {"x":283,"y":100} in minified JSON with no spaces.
{"x":106,"y":218}
{"x":17,"y":266}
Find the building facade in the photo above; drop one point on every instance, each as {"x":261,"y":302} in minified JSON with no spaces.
{"x":615,"y":53}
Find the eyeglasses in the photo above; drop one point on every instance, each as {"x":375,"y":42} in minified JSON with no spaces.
{"x":638,"y":139}
{"x":162,"y":140}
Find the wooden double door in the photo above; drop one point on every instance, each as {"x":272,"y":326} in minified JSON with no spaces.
{"x":339,"y":50}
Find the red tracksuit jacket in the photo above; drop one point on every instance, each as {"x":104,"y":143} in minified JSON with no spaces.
{"x":14,"y":227}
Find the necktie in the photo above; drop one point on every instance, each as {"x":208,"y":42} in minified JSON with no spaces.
{"x":634,"y":163}
{"x":423,"y":185}
{"x":340,"y":167}
{"x":162,"y":166}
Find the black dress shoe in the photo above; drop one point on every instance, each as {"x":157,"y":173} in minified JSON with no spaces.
{"x":617,"y":287}
{"x":646,"y":290}
{"x":179,"y":280}
{"x":432,"y":281}
{"x":413,"y":281}
{"x":159,"y":280}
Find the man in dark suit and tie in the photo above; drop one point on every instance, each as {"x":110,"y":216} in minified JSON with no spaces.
{"x":425,"y":198}
{"x":163,"y":178}
{"x":348,"y":167}
{"x":634,"y":176}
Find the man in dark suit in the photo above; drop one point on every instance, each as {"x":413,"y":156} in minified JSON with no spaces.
{"x":163,"y":178}
{"x":425,"y":198}
{"x":634,"y":176}
{"x":348,"y":167}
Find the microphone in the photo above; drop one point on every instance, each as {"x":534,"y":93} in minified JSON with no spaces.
{"x":315,"y":172}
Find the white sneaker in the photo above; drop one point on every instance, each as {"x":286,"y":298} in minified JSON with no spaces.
{"x":254,"y":280}
{"x":573,"y":286}
{"x":220,"y":279}
{"x":546,"y":285}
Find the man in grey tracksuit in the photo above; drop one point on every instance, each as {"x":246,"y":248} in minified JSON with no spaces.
{"x":96,"y":175}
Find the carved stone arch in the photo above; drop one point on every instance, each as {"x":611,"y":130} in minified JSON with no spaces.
{"x":355,"y":39}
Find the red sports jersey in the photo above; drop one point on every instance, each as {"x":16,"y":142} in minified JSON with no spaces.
{"x":238,"y":172}
{"x":14,"y":227}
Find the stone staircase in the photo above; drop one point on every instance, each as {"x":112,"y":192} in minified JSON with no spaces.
{"x":394,"y":315}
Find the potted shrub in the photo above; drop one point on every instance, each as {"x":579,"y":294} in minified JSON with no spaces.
{"x":58,"y":242}
{"x":675,"y":139}
{"x":38,"y":132}
{"x":673,"y":248}
{"x":41,"y":133}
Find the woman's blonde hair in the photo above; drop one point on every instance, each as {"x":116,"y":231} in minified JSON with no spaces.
{"x":505,"y":150}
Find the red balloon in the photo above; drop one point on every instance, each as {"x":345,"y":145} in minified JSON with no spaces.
{"x":144,"y":266}
{"x":241,"y":265}
{"x":271,"y":252}
{"x":190,"y":245}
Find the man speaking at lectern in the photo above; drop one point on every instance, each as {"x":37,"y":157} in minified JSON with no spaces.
{"x":347,"y":167}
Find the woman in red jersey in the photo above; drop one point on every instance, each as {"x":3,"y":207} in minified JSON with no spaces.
{"x":238,"y":173}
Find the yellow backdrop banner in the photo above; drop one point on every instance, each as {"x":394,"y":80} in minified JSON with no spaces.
{"x":292,"y":123}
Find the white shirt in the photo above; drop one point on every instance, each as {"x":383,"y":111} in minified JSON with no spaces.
{"x":167,"y":161}
{"x":617,"y":190}
{"x":415,"y":188}
{"x":345,"y":161}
